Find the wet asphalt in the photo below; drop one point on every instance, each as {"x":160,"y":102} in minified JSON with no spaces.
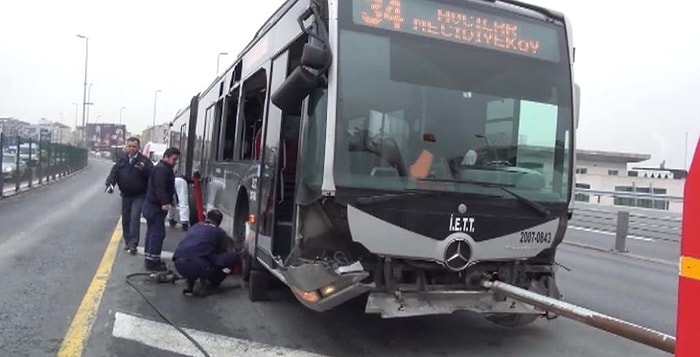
{"x":51,"y":240}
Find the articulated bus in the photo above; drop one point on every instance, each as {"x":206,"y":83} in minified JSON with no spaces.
{"x":398,"y":151}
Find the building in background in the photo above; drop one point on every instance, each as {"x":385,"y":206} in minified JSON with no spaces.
{"x":622,"y":172}
{"x":11,"y":127}
{"x":57,"y":132}
{"x":105,"y":135}
{"x":157,"y":134}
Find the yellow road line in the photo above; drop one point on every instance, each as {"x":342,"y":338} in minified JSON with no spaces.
{"x":79,"y":330}
{"x":690,"y":268}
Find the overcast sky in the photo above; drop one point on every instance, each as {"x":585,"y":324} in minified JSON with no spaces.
{"x":637,"y":65}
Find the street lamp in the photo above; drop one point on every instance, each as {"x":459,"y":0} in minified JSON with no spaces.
{"x":155,"y":103}
{"x":84,"y":82}
{"x":120,"y":114}
{"x":88,"y":104}
{"x":218,"y":57}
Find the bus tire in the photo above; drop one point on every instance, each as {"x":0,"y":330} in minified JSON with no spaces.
{"x":513,"y":320}
{"x":258,"y":284}
{"x":245,"y":266}
{"x":519,"y":320}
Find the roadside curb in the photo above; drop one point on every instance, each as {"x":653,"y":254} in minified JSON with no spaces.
{"x":628,"y":255}
{"x":13,"y":194}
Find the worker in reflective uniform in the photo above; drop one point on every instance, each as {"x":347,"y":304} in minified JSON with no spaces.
{"x":206,"y":254}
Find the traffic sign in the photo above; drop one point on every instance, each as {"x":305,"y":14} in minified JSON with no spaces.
{"x":688,"y":319}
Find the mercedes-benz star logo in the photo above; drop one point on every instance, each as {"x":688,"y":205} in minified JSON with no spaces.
{"x":462,"y":208}
{"x":457,"y":255}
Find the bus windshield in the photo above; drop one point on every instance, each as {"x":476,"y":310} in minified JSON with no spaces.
{"x":421,"y":109}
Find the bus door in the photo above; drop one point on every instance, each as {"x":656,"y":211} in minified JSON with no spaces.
{"x":275,"y":206}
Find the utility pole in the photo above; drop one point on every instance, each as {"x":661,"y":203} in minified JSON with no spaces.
{"x":83,"y":136}
{"x":120,"y":114}
{"x":76,"y":115}
{"x":685,"y":152}
{"x":155,"y":106}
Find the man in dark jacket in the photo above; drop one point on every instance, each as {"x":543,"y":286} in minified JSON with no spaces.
{"x":131,"y":173}
{"x":159,"y":200}
{"x":206,"y":254}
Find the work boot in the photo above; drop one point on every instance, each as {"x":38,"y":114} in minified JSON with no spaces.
{"x":153,"y":265}
{"x":189,"y":290}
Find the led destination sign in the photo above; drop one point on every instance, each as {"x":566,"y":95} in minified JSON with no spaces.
{"x":458,"y":24}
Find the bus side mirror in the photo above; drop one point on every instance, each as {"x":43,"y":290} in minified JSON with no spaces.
{"x":294,"y":89}
{"x":577,"y":104}
{"x":314,"y":56}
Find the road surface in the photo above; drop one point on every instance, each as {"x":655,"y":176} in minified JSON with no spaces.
{"x":53,"y":239}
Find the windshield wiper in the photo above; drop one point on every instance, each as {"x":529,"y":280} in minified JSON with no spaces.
{"x":384,"y":197}
{"x":542,"y":210}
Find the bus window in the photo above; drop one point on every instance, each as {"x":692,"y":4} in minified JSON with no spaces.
{"x":253,"y":110}
{"x":230,"y":125}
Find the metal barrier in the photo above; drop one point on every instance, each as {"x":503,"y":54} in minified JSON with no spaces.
{"x":625,"y":221}
{"x":33,"y":162}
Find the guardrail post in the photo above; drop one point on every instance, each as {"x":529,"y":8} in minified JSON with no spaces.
{"x":2,"y":174}
{"x":623,"y":224}
{"x":30,"y":166}
{"x":16,"y":175}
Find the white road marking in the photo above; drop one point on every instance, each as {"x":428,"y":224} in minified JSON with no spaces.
{"x":644,"y":239}
{"x":164,"y":337}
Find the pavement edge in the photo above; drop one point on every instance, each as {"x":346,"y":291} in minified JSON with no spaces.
{"x":74,"y":341}
{"x":43,"y":184}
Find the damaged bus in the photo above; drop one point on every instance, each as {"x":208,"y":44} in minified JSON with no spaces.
{"x":402,"y":151}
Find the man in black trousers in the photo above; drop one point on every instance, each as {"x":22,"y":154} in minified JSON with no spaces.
{"x":131,"y":173}
{"x":159,"y":200}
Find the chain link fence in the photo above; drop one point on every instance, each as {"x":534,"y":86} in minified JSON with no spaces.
{"x":27,"y":162}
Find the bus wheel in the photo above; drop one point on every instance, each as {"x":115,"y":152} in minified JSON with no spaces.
{"x":245,"y":266}
{"x":513,"y":320}
{"x":258,"y":285}
{"x":519,"y":320}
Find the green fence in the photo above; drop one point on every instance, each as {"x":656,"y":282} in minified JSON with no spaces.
{"x":26,"y":162}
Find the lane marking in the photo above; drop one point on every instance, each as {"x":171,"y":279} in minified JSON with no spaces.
{"x":79,"y":330}
{"x":690,"y":268}
{"x":164,"y":337}
{"x":590,"y":230}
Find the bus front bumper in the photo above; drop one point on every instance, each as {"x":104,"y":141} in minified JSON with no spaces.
{"x":406,"y":304}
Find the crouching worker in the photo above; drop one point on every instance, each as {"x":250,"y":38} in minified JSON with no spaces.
{"x":206,"y":255}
